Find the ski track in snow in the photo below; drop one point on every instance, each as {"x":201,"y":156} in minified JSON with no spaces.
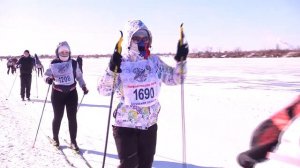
{"x":233,"y":98}
{"x":16,"y":150}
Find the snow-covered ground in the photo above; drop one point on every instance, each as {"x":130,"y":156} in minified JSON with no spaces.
{"x":225,"y":99}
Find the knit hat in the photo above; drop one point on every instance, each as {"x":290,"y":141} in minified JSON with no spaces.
{"x":63,"y":46}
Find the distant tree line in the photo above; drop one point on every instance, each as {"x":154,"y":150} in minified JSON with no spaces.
{"x":270,"y":53}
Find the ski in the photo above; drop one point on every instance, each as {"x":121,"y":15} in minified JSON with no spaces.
{"x":60,"y":151}
{"x":79,"y":154}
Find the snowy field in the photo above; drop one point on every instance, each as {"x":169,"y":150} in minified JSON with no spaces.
{"x":225,"y":99}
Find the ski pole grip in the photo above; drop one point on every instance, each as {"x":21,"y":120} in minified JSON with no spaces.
{"x":119,"y":45}
{"x":181,"y":34}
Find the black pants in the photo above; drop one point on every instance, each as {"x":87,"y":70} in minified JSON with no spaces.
{"x":40,"y":70}
{"x":25,"y":85}
{"x":136,"y":148}
{"x":13,"y":69}
{"x":61,"y":100}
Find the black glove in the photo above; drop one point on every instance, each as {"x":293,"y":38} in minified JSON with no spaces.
{"x":49,"y":80}
{"x":115,"y":61}
{"x":182,"y":52}
{"x":85,"y":90}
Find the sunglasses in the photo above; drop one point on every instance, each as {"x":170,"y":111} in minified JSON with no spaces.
{"x":64,"y":53}
{"x":138,"y":39}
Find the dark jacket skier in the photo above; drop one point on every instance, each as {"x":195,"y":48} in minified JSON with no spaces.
{"x":79,"y":60}
{"x":26,"y":64}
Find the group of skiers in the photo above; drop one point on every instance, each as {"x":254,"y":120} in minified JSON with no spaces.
{"x":26,"y":64}
{"x":136,"y":77}
{"x":139,"y":76}
{"x":12,"y":65}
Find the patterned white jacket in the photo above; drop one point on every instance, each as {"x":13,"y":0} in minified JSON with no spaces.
{"x":138,"y":85}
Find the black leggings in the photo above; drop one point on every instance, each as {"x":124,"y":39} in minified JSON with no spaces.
{"x":136,"y":148}
{"x":59,"y":101}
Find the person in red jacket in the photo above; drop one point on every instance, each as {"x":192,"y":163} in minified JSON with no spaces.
{"x":266,"y":136}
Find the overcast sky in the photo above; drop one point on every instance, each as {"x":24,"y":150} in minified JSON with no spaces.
{"x":92,"y":26}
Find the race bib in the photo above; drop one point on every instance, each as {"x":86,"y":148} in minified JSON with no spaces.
{"x":63,"y":73}
{"x":141,"y":85}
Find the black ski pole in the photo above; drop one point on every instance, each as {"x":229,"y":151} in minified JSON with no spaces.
{"x":119,"y":50}
{"x":182,"y":104}
{"x":41,"y":116}
{"x":12,"y":86}
{"x":80,"y":102}
{"x":36,"y":83}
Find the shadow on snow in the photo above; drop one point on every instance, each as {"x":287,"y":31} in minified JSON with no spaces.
{"x":82,"y":104}
{"x":156,"y":163}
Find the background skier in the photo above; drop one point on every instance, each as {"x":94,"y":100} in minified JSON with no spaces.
{"x":38,"y":65}
{"x":26,"y":64}
{"x":62,"y":73}
{"x":11,"y":65}
{"x":79,"y":60}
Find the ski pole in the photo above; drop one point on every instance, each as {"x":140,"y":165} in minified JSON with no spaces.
{"x":41,"y":117}
{"x":36,"y":83}
{"x":12,"y":86}
{"x":119,"y":50}
{"x":182,"y":103}
{"x":80,"y":102}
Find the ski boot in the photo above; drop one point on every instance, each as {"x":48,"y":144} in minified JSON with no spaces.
{"x":55,"y":142}
{"x":74,"y":146}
